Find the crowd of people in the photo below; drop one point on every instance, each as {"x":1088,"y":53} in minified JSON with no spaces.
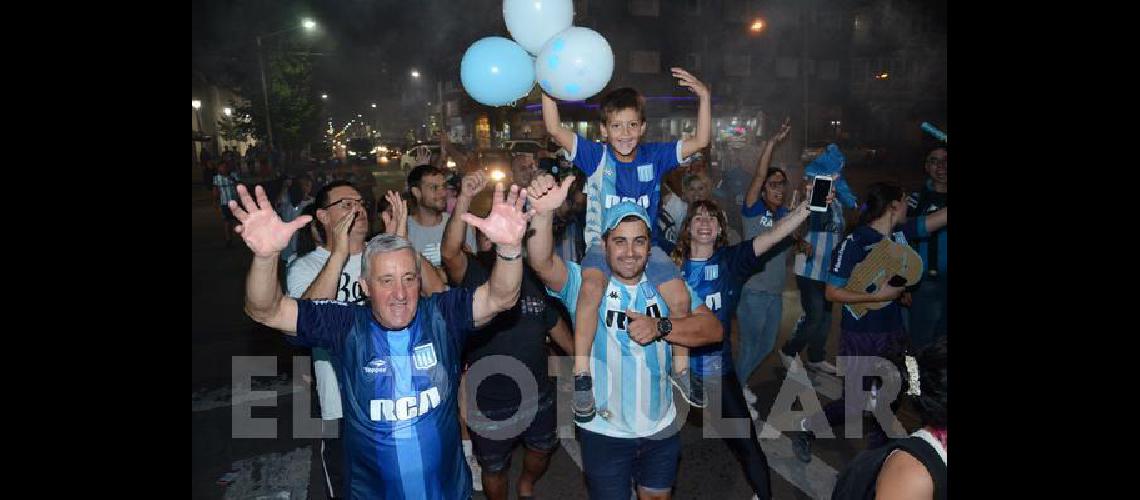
{"x":620,"y":256}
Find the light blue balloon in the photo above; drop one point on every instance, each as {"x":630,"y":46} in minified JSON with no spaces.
{"x":582,"y":67}
{"x":533,"y":22}
{"x":496,"y":71}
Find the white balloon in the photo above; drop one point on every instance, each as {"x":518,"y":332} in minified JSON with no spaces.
{"x":533,"y":22}
{"x":574,"y":65}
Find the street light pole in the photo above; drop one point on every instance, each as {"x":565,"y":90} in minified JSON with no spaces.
{"x":265,"y":95}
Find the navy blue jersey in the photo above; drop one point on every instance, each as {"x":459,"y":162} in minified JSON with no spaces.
{"x":850,"y":252}
{"x":400,"y":394}
{"x":719,"y":279}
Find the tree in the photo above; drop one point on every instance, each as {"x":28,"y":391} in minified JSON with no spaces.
{"x":294,"y":104}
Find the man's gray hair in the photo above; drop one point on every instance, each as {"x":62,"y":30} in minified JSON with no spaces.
{"x":385,"y":243}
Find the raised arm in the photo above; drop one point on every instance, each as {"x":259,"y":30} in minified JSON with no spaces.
{"x":325,"y":284}
{"x":765,"y":241}
{"x":546,"y":195}
{"x":562,"y":135}
{"x":266,"y":235}
{"x":762,"y":164}
{"x":504,"y":226}
{"x":704,"y":113}
{"x":451,"y":248}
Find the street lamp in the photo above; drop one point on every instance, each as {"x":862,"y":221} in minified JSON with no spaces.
{"x":373,"y":105}
{"x":324,"y":96}
{"x":306,"y":24}
{"x":228,"y":111}
{"x":415,"y":74}
{"x":196,"y":104}
{"x":757,"y":25}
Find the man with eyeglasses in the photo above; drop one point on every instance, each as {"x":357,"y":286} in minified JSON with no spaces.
{"x":429,"y":215}
{"x":928,"y":299}
{"x":332,"y":271}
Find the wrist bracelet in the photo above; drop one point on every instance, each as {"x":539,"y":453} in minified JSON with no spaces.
{"x":508,"y":259}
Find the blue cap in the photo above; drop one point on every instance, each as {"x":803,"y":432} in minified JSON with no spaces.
{"x":616,"y":213}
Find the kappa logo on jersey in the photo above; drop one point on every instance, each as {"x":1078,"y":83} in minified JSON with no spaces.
{"x":376,"y":366}
{"x":404,"y":408}
{"x":424,"y":356}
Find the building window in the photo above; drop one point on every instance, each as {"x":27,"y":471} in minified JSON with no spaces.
{"x":644,"y":7}
{"x":693,"y":61}
{"x":736,"y":65}
{"x":644,"y":61}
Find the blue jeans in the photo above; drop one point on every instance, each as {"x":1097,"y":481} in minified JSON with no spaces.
{"x":759,"y":314}
{"x":928,"y":313}
{"x":811,"y":329}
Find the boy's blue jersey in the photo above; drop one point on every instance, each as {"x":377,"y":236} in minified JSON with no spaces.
{"x":719,"y":280}
{"x":399,"y":390}
{"x":610,"y":181}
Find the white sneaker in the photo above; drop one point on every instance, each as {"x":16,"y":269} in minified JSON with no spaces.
{"x":792,"y":363}
{"x":823,"y":366}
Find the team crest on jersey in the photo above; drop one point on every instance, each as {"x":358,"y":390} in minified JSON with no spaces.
{"x":424,"y":356}
{"x":712,"y":272}
{"x":645,"y":173}
{"x":900,"y":238}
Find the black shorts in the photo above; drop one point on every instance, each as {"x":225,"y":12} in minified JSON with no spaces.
{"x":494,"y":440}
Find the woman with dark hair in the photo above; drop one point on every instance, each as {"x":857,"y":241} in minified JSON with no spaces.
{"x":717,"y":272}
{"x":876,"y":334}
{"x":915,"y":466}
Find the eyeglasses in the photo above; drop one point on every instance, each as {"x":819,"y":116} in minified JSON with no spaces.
{"x":348,"y":203}
{"x":935,"y":161}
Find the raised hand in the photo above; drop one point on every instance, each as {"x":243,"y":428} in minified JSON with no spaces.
{"x":473,"y":183}
{"x":690,"y":81}
{"x":338,"y":241}
{"x":546,"y":194}
{"x":783,"y":132}
{"x":421,"y":156}
{"x":260,"y":227}
{"x":506,"y":223}
{"x":396,"y":217}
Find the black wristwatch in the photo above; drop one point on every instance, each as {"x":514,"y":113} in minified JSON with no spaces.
{"x":664,"y":327}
